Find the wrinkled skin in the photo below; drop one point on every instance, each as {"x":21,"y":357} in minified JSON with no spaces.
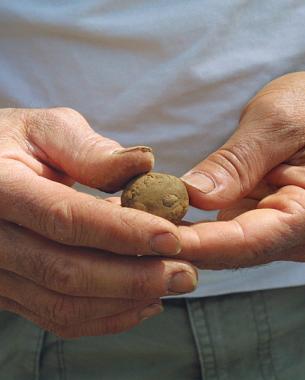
{"x":257,"y":179}
{"x":68,"y":261}
{"x":66,"y":258}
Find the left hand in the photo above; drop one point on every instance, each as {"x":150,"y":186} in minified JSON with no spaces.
{"x":257,"y":178}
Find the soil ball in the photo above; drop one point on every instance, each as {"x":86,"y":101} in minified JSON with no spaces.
{"x":159,"y":194}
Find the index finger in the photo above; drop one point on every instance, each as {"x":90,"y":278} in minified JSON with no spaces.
{"x":255,"y":237}
{"x":65,"y":215}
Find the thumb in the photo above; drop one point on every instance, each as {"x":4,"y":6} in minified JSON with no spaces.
{"x":270,"y":131}
{"x":70,"y":145}
{"x":234,"y":170}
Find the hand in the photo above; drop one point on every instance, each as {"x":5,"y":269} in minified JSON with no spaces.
{"x":258,"y":178}
{"x":63,"y":255}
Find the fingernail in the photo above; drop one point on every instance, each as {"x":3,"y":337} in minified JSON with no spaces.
{"x":150,"y":311}
{"x":182,"y":282}
{"x":140,"y":148}
{"x":200,"y":181}
{"x":165,"y":244}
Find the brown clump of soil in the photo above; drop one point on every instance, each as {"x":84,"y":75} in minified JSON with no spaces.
{"x":159,"y":194}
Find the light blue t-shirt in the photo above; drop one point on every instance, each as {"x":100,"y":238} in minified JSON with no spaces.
{"x":172,"y":74}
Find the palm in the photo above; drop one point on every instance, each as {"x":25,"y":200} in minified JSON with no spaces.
{"x":251,"y":232}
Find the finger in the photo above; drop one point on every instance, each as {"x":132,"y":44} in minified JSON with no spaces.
{"x":70,"y":217}
{"x":111,"y":325}
{"x":84,"y":272}
{"x":59,"y":308}
{"x":262,"y":190}
{"x":103,"y":326}
{"x":246,"y":204}
{"x":253,"y":238}
{"x":239,"y":208}
{"x":67,"y":142}
{"x":284,"y":175}
{"x":114,"y":200}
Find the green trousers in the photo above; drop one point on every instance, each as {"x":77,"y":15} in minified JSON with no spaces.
{"x":247,"y":336}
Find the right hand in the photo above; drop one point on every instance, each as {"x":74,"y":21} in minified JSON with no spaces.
{"x":66,"y":257}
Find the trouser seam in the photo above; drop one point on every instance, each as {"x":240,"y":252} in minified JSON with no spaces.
{"x":202,"y":336}
{"x":37,"y":355}
{"x":61,"y":360}
{"x":269,"y":334}
{"x":263,"y":331}
{"x":193,"y":328}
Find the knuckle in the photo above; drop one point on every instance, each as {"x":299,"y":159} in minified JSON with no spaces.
{"x":106,"y":326}
{"x":65,"y":111}
{"x":140,"y":285}
{"x":109,"y":326}
{"x":112,"y":326}
{"x":12,"y":127}
{"x":268,"y":105}
{"x":126,"y":221}
{"x":66,"y":310}
{"x":91,"y":144}
{"x":64,"y":275}
{"x":59,"y":223}
{"x":277,"y":114}
{"x":129,"y":221}
{"x":57,"y":119}
{"x":63,"y":116}
{"x":8,"y":112}
{"x":235,"y":161}
{"x":271,"y":107}
{"x":126,"y":228}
